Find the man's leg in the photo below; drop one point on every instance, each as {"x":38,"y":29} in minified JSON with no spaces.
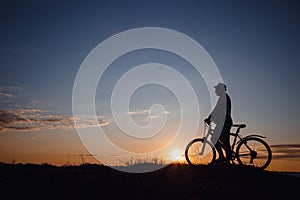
{"x":225,"y":139}
{"x":226,"y":146}
{"x":219,"y":149}
{"x":218,"y":146}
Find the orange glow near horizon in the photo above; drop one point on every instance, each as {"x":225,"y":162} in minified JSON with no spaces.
{"x":65,"y":148}
{"x":175,"y":155}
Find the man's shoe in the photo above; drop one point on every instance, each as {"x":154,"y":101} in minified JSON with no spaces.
{"x":220,"y":160}
{"x":227,"y":162}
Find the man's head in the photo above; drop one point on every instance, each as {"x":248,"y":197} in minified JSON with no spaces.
{"x":220,"y":89}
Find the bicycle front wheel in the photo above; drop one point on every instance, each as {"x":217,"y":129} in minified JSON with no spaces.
{"x":199,"y":153}
{"x":254,"y":152}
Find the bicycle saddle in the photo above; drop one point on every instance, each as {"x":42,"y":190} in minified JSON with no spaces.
{"x":239,"y":125}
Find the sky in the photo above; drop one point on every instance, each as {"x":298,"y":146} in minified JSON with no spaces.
{"x":255,"y":45}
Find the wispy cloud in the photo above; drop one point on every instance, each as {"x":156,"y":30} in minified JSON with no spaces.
{"x":286,"y":151}
{"x":143,"y":117}
{"x":35,"y":119}
{"x":7,"y":93}
{"x":9,"y":88}
{"x":6,"y":97}
{"x":139,"y":112}
{"x":143,"y":112}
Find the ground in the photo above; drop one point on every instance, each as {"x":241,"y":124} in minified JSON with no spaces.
{"x":29,"y":181}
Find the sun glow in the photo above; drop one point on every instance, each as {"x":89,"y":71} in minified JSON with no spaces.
{"x":175,"y":155}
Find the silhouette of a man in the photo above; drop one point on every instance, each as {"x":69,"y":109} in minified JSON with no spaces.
{"x":221,"y":116}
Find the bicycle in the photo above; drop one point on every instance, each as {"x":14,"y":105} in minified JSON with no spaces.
{"x":251,"y":150}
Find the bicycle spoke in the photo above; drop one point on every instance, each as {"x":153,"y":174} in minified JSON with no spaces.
{"x":248,"y":154}
{"x":254,"y":152}
{"x":193,"y":151}
{"x":258,"y":160}
{"x":194,"y":148}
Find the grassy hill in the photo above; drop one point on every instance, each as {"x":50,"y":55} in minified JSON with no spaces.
{"x":30,"y":181}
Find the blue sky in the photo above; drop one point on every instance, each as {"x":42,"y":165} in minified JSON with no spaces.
{"x":255,"y":45}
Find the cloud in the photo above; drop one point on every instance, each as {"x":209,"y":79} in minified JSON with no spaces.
{"x":144,"y":116}
{"x":6,"y":95}
{"x":35,"y":119}
{"x":139,"y":112}
{"x":12,"y":117}
{"x":10,"y":88}
{"x":286,"y":151}
{"x":143,"y":112}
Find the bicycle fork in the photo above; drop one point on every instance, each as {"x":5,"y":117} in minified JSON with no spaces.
{"x":203,"y":146}
{"x":253,"y":153}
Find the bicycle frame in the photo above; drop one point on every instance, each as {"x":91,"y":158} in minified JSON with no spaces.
{"x":205,"y":137}
{"x":237,"y":138}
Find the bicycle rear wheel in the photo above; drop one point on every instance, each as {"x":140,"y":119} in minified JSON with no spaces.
{"x":254,"y":152}
{"x":198,"y":153}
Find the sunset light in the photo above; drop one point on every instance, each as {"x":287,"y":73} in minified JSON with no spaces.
{"x":104,"y":82}
{"x":149,"y":99}
{"x":176,"y":155}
